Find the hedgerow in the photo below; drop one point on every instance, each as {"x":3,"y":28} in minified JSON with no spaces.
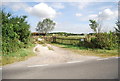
{"x":15,"y":32}
{"x":105,"y":41}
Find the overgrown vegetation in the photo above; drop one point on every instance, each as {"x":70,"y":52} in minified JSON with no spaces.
{"x":118,"y":34}
{"x":105,"y":41}
{"x":20,"y":55}
{"x":16,"y":38}
{"x":15,"y":33}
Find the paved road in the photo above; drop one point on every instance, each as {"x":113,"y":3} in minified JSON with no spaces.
{"x":92,"y":69}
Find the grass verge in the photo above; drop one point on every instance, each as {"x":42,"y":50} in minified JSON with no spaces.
{"x":20,"y":55}
{"x":89,"y":52}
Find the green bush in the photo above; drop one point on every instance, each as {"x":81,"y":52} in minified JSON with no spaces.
{"x":15,"y":33}
{"x":105,"y":41}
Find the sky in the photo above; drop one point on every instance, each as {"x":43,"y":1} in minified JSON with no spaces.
{"x":71,"y":17}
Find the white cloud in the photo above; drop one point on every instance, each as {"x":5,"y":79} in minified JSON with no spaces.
{"x":106,"y":14}
{"x":58,"y":5}
{"x":78,"y":14}
{"x":42,"y":10}
{"x":106,"y":18}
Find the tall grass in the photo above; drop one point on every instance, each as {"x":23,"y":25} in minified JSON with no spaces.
{"x":20,"y":55}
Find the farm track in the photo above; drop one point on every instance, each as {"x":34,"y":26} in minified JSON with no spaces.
{"x":56,"y":56}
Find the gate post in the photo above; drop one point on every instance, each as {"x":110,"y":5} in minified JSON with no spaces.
{"x":54,"y":39}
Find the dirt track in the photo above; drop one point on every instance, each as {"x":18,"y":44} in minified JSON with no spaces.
{"x":46,"y":56}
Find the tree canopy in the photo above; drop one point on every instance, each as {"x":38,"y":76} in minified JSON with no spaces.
{"x":45,"y":26}
{"x":93,"y":24}
{"x":96,"y":26}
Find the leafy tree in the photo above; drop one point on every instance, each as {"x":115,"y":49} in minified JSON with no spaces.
{"x":93,"y":24}
{"x":21,"y":28}
{"x":45,"y":26}
{"x":15,"y":32}
{"x":96,"y":25}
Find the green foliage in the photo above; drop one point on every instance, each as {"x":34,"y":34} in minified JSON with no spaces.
{"x":100,"y":40}
{"x":105,"y":41}
{"x":93,"y":24}
{"x":118,"y":30}
{"x":45,"y":26}
{"x":20,"y":55}
{"x":15,"y":33}
{"x":118,"y":34}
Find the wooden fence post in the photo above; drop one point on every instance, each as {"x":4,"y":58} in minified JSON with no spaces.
{"x":54,"y":39}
